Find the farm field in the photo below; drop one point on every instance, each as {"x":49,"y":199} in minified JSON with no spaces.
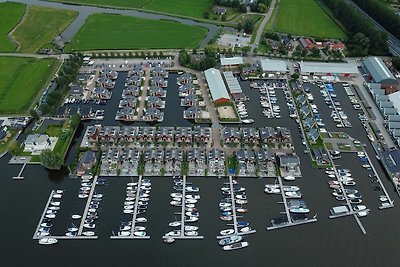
{"x":190,"y":8}
{"x":40,"y":27}
{"x":10,"y":15}
{"x":21,"y":79}
{"x":305,"y":17}
{"x":103,"y":31}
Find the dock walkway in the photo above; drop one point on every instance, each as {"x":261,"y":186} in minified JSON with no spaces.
{"x":89,"y":199}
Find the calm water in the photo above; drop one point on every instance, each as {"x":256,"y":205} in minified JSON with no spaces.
{"x":325,"y":243}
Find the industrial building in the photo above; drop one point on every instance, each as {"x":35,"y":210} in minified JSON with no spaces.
{"x":231,"y":62}
{"x":328,"y":69}
{"x":273,"y":66}
{"x":378,"y":73}
{"x":216,"y":85}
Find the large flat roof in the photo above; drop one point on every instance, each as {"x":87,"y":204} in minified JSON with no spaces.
{"x":229,"y":61}
{"x":232,"y":82}
{"x":378,"y":70}
{"x":274,"y":65}
{"x":334,"y":68}
{"x":216,"y":84}
{"x":395,"y":98}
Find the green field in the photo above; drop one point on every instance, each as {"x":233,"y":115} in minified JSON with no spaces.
{"x":190,"y":8}
{"x":40,"y":27}
{"x":102,"y":31}
{"x":305,"y":17}
{"x":21,"y":79}
{"x":10,"y":15}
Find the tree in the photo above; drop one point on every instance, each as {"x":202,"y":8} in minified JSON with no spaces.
{"x":245,"y":50}
{"x":14,"y":147}
{"x":50,"y":160}
{"x":295,"y":76}
{"x":315,"y":51}
{"x":396,"y":62}
{"x":34,"y":115}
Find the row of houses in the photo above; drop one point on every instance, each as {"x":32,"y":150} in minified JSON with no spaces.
{"x":131,"y":134}
{"x":189,"y":98}
{"x":264,"y":135}
{"x":307,"y":117}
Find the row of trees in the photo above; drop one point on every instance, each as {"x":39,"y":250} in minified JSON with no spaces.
{"x":373,"y":40}
{"x":66,"y":75}
{"x":207,"y":62}
{"x":382,"y":13}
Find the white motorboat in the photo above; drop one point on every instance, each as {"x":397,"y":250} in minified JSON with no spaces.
{"x":128,"y":203}
{"x":192,"y":189}
{"x":125,"y":228}
{"x":299,"y":210}
{"x":144,"y":199}
{"x":92,"y":210}
{"x":175,"y":203}
{"x":54,"y":208}
{"x":241,"y":197}
{"x":174,"y":233}
{"x":98,"y":196}
{"x":248,"y":121}
{"x":124,"y":233}
{"x":141,"y":220}
{"x":43,"y":233}
{"x":270,"y":190}
{"x":176,"y":195}
{"x":130,"y":207}
{"x":139,"y":233}
{"x":191,"y":219}
{"x":55,"y":203}
{"x":129,"y":198}
{"x":88,"y":233}
{"x":174,"y":224}
{"x":189,"y":205}
{"x":191,"y":228}
{"x":57,"y":196}
{"x":128,"y":211}
{"x":51,"y":211}
{"x":289,"y":178}
{"x":235,"y":246}
{"x":359,"y":207}
{"x":230,"y":240}
{"x":241,"y":201}
{"x":246,"y":229}
{"x":46,"y":225}
{"x":59,"y":191}
{"x":76,"y":216}
{"x":48,"y":241}
{"x":293,"y":194}
{"x":191,"y":201}
{"x":83,"y":196}
{"x":50,"y":216}
{"x":191,"y":233}
{"x":291,"y":188}
{"x":225,"y":205}
{"x":73,"y":229}
{"x":139,"y":228}
{"x":192,"y":196}
{"x":227,"y":232}
{"x":362,"y":213}
{"x":89,"y":225}
{"x":132,"y":184}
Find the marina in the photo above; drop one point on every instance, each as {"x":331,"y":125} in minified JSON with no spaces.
{"x":86,"y":210}
{"x":134,"y":233}
{"x":231,"y":201}
{"x":288,"y":222}
{"x":184,"y":219}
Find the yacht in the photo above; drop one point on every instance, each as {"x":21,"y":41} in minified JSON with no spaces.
{"x":248,"y":121}
{"x":169,"y":240}
{"x":191,"y":233}
{"x":293,"y":194}
{"x":235,"y":246}
{"x":141,"y":220}
{"x":299,"y":210}
{"x":124,"y":233}
{"x":174,"y":233}
{"x":57,"y":196}
{"x":48,"y":241}
{"x":227,"y":232}
{"x":88,"y":233}
{"x":139,"y":233}
{"x":191,"y":228}
{"x":55,"y":203}
{"x":230,"y":240}
{"x":89,"y":225}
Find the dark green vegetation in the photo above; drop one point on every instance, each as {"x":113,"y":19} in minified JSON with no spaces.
{"x":382,"y":13}
{"x":372,"y":41}
{"x":51,"y":160}
{"x":10,"y":15}
{"x":21,"y":79}
{"x":40,"y":27}
{"x":102,"y":31}
{"x":65,"y":76}
{"x":205,"y":62}
{"x":305,"y":17}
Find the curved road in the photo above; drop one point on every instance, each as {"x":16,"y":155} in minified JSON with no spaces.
{"x":260,"y":30}
{"x":85,"y":11}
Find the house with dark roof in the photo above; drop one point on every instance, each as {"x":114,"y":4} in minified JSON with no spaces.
{"x":137,"y":69}
{"x":183,"y":134}
{"x":231,"y":135}
{"x":128,"y":133}
{"x":133,"y":80}
{"x":131,"y":91}
{"x":190,"y":100}
{"x":186,"y":89}
{"x":129,"y":101}
{"x":158,"y":81}
{"x":76,"y":91}
{"x":153,"y":114}
{"x":86,"y":162}
{"x":101,"y":93}
{"x":109,"y":73}
{"x":184,"y":78}
{"x":165,"y":134}
{"x":146,"y":134}
{"x":105,"y":82}
{"x":250,"y":135}
{"x":159,"y":72}
{"x":156,"y":91}
{"x":155,"y":102}
{"x":201,"y":134}
{"x":192,"y":113}
{"x":219,"y":10}
{"x":126,"y":114}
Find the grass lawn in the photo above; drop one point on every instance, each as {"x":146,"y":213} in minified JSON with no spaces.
{"x":305,"y":17}
{"x":40,"y":27}
{"x":103,"y":31}
{"x":190,"y":8}
{"x":21,"y":79}
{"x":10,"y":15}
{"x":64,"y":138}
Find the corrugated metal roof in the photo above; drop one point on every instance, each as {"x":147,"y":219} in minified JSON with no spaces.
{"x":216,"y":84}
{"x":273,"y":65}
{"x":232,"y":82}
{"x":378,"y":69}
{"x":228,"y":61}
{"x":395,"y":98}
{"x":334,"y":68}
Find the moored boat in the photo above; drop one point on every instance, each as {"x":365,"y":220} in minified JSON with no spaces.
{"x":235,"y":246}
{"x":48,"y":241}
{"x":230,"y":240}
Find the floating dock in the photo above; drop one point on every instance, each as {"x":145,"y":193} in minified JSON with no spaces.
{"x":19,"y":177}
{"x":89,"y":199}
{"x":289,"y":222}
{"x":35,"y":236}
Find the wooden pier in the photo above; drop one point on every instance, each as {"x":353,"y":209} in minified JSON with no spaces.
{"x":182,"y":213}
{"x":19,"y":177}
{"x":89,"y":199}
{"x":289,"y":222}
{"x":35,"y":236}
